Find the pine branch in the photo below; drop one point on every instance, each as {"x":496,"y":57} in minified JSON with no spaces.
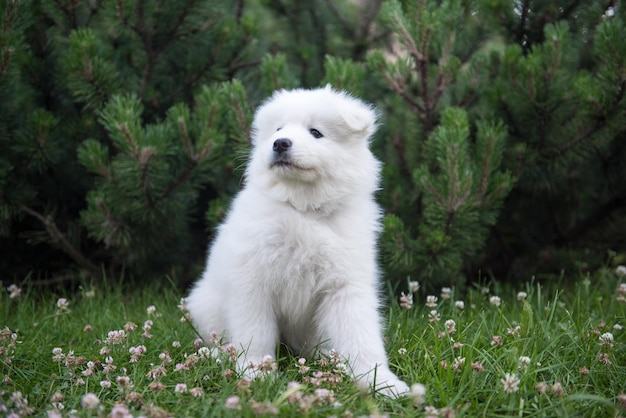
{"x":7,"y":53}
{"x":59,"y":238}
{"x":521,"y":32}
{"x":571,"y":8}
{"x":144,"y":159}
{"x":399,"y":87}
{"x":400,"y":148}
{"x":178,"y":181}
{"x":443,"y":79}
{"x":599,"y":124}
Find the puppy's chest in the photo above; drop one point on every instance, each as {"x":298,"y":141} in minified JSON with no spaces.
{"x":302,"y":256}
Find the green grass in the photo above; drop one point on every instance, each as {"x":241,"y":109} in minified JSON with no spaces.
{"x":559,"y":330}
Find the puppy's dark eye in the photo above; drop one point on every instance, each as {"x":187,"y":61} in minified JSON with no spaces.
{"x":315,"y":133}
{"x":278,"y":129}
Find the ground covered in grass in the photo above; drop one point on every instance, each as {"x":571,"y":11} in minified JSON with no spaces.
{"x":490,"y":350}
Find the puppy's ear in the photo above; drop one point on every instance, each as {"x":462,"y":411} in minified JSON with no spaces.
{"x":359,"y":117}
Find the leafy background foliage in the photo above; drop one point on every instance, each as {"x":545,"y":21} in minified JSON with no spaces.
{"x":124,"y":128}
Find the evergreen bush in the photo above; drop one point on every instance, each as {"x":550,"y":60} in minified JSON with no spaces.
{"x":124,"y":127}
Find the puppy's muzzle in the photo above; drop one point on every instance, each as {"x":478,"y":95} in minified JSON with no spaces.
{"x":282,"y":145}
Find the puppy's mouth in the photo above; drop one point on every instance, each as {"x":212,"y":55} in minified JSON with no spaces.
{"x":286,"y":164}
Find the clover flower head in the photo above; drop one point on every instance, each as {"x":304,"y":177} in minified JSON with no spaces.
{"x":406,"y":300}
{"x":90,"y":401}
{"x":433,"y":316}
{"x":450,"y":326}
{"x":607,"y":336}
{"x":14,"y":291}
{"x":557,"y":389}
{"x":116,"y":337}
{"x":517,"y":331}
{"x":418,"y":393}
{"x":497,"y":340}
{"x":446,"y":293}
{"x":232,"y":402}
{"x":414,"y":286}
{"x":510,"y":383}
{"x":196,"y":392}
{"x":606,"y":340}
{"x":542,"y":387}
{"x":63,"y":305}
{"x":524,"y":361}
{"x":431,"y":301}
{"x":458,"y":363}
{"x":495,"y":300}
{"x":124,"y":381}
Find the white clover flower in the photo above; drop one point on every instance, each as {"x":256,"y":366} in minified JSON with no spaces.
{"x":341,"y":368}
{"x":14,"y":291}
{"x":204,"y":352}
{"x":116,"y":337}
{"x":406,"y":300}
{"x":414,"y":286}
{"x":446,"y":293}
{"x":431,"y":301}
{"x":196,"y":392}
{"x":510,"y":383}
{"x":522,"y":295}
{"x":458,"y":363}
{"x":151,"y":309}
{"x":232,"y":402}
{"x":450,"y":326}
{"x":606,"y":337}
{"x":433,"y":316}
{"x":418,"y":393}
{"x":63,"y":304}
{"x":58,"y":355}
{"x":180,"y":388}
{"x":524,"y":361}
{"x":620,"y":271}
{"x":402,"y":351}
{"x":90,"y":401}
{"x":459,"y":304}
{"x":618,"y":327}
{"x":495,"y":300}
{"x":105,"y":384}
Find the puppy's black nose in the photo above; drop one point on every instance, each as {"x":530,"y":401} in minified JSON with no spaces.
{"x":281,"y":145}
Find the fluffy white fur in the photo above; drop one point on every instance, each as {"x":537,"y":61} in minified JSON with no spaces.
{"x":295,"y":259}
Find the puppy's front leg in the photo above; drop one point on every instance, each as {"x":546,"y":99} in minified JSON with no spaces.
{"x":349,"y":322}
{"x":253,"y":329}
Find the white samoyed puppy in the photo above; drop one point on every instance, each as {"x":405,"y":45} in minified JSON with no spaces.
{"x":295,"y":259}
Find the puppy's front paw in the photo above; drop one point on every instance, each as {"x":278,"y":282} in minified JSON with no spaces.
{"x":385,"y":383}
{"x":393,"y":388}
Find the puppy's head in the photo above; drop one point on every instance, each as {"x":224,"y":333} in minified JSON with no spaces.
{"x":313,"y":144}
